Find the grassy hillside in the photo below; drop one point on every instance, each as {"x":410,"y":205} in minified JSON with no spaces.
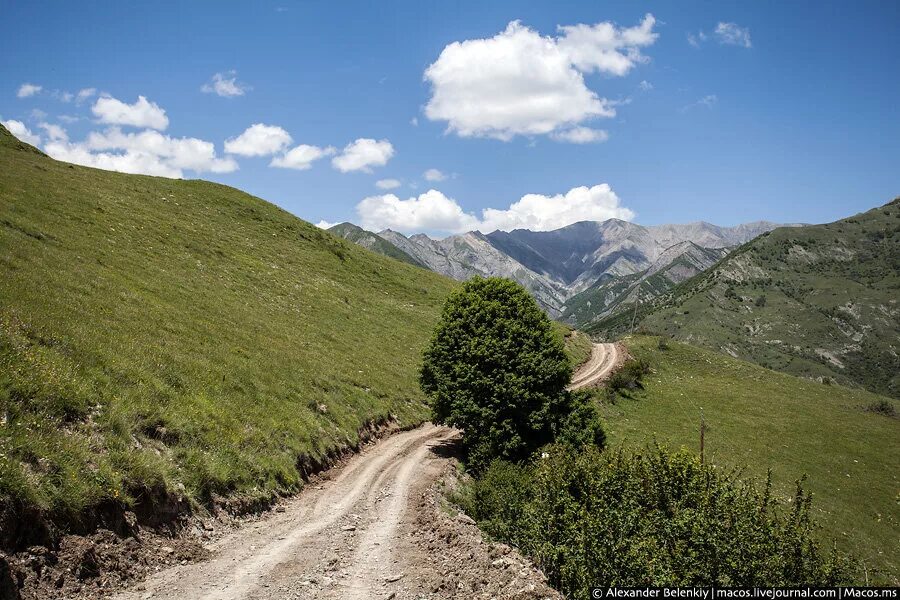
{"x":758,"y":419}
{"x":578,"y":345}
{"x":820,"y":301}
{"x":158,"y":333}
{"x":373,"y":242}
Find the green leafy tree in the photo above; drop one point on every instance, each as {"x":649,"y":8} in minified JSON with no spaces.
{"x":496,"y":370}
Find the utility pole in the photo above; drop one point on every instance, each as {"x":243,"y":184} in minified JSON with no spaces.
{"x":637,"y":299}
{"x":702,"y":433}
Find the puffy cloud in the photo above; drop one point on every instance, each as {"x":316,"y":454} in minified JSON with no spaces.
{"x":54,"y":132}
{"x":605,"y":48}
{"x":362,"y":155}
{"x":301,"y":157}
{"x":26,"y":90}
{"x":387,"y":184}
{"x":225,"y":85}
{"x":325,"y":225}
{"x":433,"y":175}
{"x":259,"y":140}
{"x":581,"y":135}
{"x":140,"y":114}
{"x":733,"y":34}
{"x":433,"y":211}
{"x":544,"y":213}
{"x":18,"y":129}
{"x":148,"y":152}
{"x":85,"y":94}
{"x":522,"y":83}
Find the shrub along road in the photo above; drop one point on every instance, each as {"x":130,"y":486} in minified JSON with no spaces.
{"x":374,"y":530}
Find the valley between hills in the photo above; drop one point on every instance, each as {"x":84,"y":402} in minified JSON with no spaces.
{"x":205,"y":396}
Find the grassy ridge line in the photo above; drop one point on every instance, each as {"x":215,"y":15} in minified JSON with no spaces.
{"x":759,"y":419}
{"x":184,"y":335}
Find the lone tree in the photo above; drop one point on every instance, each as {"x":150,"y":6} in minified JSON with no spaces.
{"x":496,"y":370}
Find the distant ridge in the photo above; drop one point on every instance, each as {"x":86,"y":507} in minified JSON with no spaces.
{"x":820,"y":301}
{"x":373,"y":242}
{"x":556,"y":266}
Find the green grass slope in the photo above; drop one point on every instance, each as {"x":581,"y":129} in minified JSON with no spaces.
{"x":158,"y":333}
{"x":373,"y":242}
{"x":821,"y":301}
{"x":759,"y":419}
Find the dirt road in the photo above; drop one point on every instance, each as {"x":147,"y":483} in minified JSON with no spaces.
{"x":604,"y":358}
{"x":375,"y":530}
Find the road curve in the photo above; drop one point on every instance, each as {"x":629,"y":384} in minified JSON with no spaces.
{"x":345,"y":530}
{"x":604,"y":358}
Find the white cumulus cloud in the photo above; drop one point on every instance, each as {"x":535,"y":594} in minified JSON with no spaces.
{"x":544,"y":213}
{"x":433,"y":211}
{"x":387,"y":184}
{"x":325,"y":224}
{"x":26,"y":90}
{"x":85,"y":94}
{"x":259,"y":140}
{"x":18,"y":129}
{"x":522,"y":83}
{"x":301,"y":157}
{"x":225,"y":85}
{"x":433,"y":175}
{"x":733,"y":34}
{"x":142,"y":113}
{"x":362,"y":155}
{"x":147,"y":152}
{"x":606,"y":48}
{"x":581,"y":135}
{"x":54,"y":132}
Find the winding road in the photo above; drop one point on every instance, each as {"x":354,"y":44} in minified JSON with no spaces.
{"x":604,"y":358}
{"x":359,"y":533}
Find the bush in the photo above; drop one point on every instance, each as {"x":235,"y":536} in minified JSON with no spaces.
{"x":883,"y":407}
{"x":659,"y":518}
{"x":581,"y":426}
{"x":628,"y":377}
{"x":496,"y":370}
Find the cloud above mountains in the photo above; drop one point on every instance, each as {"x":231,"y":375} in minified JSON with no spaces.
{"x":435,"y":212}
{"x":142,"y":113}
{"x":362,"y":155}
{"x":520,"y":82}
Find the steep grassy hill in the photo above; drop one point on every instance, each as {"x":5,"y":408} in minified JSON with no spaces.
{"x":373,"y":242}
{"x":160,"y":335}
{"x":759,"y":419}
{"x":820,"y":301}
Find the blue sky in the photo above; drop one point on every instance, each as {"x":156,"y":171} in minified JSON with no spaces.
{"x":724,"y":112}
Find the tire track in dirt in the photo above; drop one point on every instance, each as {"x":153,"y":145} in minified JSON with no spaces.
{"x":604,"y":359}
{"x":248,"y":563}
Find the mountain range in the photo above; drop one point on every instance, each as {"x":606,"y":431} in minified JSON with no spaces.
{"x":577,"y":267}
{"x":820,"y":301}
